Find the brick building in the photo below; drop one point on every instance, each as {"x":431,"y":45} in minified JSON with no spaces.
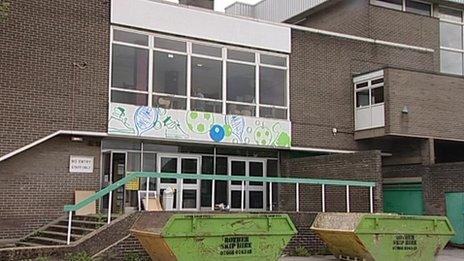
{"x":365,"y":90}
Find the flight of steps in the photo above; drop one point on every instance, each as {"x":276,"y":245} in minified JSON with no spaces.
{"x":55,"y":233}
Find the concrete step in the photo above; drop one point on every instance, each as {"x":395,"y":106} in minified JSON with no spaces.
{"x":27,"y":244}
{"x":46,"y":240}
{"x":55,"y":234}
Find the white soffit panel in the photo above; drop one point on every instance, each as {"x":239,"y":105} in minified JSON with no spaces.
{"x":192,"y":22}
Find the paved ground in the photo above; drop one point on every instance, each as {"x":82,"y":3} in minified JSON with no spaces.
{"x":449,"y":254}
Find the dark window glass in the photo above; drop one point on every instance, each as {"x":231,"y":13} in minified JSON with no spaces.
{"x":450,"y":14}
{"x":237,"y":109}
{"x":377,"y":95}
{"x":206,"y":50}
{"x":273,"y":60}
{"x":241,"y":82}
{"x":169,"y":44}
{"x":274,"y":113}
{"x":129,"y":98}
{"x":362,"y":85}
{"x":207,"y":106}
{"x":129,"y":37}
{"x":272,"y":86}
{"x":129,"y":68}
{"x":170,"y":73}
{"x":377,"y":81}
{"x":240,"y":56}
{"x":256,"y":199}
{"x":206,"y":78}
{"x":237,"y":169}
{"x":418,"y":7}
{"x":256,"y":170}
{"x":168,"y":165}
{"x":362,"y":98}
{"x":167,"y":102}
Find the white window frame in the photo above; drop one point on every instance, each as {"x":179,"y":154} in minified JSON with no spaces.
{"x":368,"y":78}
{"x":444,"y":48}
{"x":189,"y":53}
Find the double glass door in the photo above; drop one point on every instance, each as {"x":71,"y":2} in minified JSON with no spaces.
{"x":187,"y":191}
{"x":254,"y":193}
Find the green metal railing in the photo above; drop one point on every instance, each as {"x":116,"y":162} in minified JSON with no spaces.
{"x":278,"y":180}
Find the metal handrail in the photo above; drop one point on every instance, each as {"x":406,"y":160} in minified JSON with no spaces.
{"x":280,"y":180}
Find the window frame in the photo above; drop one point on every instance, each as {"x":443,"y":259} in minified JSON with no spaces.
{"x":401,"y":7}
{"x":369,"y":87}
{"x":450,"y":49}
{"x":190,"y":54}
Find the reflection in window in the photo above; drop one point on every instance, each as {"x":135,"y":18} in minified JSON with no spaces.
{"x":450,"y":35}
{"x":206,"y":50}
{"x":240,"y":56}
{"x":129,"y":98}
{"x":129,"y":68}
{"x":240,"y":82}
{"x":273,"y":60}
{"x":206,"y":78}
{"x":169,"y":73}
{"x":238,"y":109}
{"x":451,"y":62}
{"x":129,"y":37}
{"x":450,"y":14}
{"x":275,"y":113}
{"x":377,"y":95}
{"x":169,"y":44}
{"x":272,"y":86}
{"x":362,"y":98}
{"x":418,"y":7}
{"x":207,"y":106}
{"x":168,"y":102}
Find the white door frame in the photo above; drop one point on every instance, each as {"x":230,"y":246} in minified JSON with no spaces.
{"x":180,"y":186}
{"x":247,"y":186}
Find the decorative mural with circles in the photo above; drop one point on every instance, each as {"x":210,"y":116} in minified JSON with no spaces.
{"x":197,"y":126}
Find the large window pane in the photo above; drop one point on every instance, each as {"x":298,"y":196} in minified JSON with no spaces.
{"x":450,"y":35}
{"x":275,"y":113}
{"x":167,"y":102}
{"x":272,"y":86}
{"x":129,"y":68}
{"x":206,"y":78}
{"x":418,"y":7}
{"x":130,"y":37}
{"x":237,"y":109}
{"x":129,"y":98}
{"x":240,"y":82}
{"x":169,"y":44}
{"x":377,"y":95}
{"x":450,"y":14}
{"x":208,"y":106}
{"x":395,"y":4}
{"x":362,"y":98}
{"x":451,"y":62}
{"x":170,"y":73}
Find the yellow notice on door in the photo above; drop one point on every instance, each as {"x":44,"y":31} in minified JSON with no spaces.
{"x":133,"y":185}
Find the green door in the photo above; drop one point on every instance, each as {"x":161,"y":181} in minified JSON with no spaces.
{"x":403,"y":199}
{"x":455,"y":213}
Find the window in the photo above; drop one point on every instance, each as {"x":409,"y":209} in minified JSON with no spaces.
{"x":369,"y":92}
{"x":176,"y":73}
{"x":369,"y":101}
{"x":451,"y":40}
{"x":416,"y":7}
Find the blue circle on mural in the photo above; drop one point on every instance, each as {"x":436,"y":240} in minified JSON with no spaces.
{"x":217,"y":133}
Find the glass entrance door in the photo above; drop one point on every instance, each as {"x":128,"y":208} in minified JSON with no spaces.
{"x":114,"y":169}
{"x":187,"y":191}
{"x":254,"y":194}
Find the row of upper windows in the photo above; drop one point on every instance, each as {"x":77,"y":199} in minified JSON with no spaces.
{"x":175,"y":73}
{"x":411,"y":6}
{"x":451,"y":40}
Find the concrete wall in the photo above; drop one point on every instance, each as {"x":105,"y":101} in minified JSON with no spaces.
{"x":36,"y":184}
{"x":434,"y":102}
{"x":41,"y":91}
{"x":362,"y":166}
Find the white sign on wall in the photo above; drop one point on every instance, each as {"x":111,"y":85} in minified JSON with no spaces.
{"x":80,"y":164}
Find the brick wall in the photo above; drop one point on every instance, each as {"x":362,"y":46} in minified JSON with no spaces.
{"x":441,"y":178}
{"x":434,"y":102}
{"x":360,"y":18}
{"x":362,"y":166}
{"x":321,"y":89}
{"x":41,"y":91}
{"x":36,"y":184}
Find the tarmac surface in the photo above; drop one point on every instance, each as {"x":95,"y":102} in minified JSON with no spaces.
{"x":448,"y":254}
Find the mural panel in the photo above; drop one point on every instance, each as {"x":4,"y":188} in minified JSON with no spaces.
{"x":144,"y":121}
